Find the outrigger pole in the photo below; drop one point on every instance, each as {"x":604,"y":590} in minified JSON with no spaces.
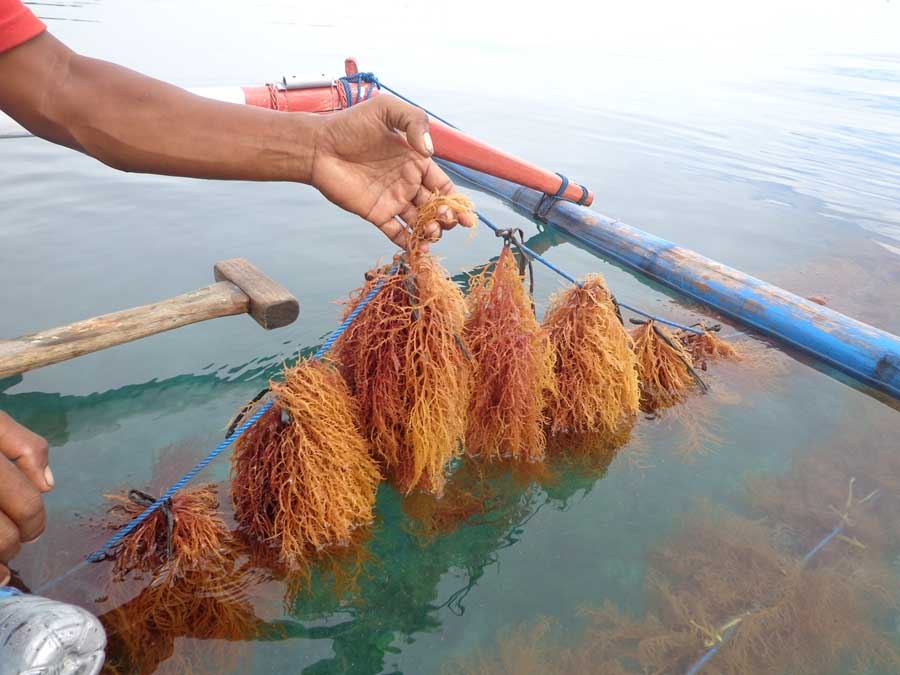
{"x":869,"y":354}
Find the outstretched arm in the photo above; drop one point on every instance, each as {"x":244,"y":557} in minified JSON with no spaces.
{"x":373,"y":160}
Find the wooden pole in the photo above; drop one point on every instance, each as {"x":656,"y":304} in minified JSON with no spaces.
{"x":242,"y":289}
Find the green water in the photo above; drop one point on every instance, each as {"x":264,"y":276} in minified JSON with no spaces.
{"x":783,"y":165}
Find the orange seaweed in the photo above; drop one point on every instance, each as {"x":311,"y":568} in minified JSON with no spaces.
{"x":468,"y":495}
{"x":302,"y":476}
{"x":404,"y":359}
{"x":142,"y":633}
{"x":664,"y":367}
{"x":513,"y":360}
{"x":596,"y":370}
{"x":199,"y":537}
{"x":706,"y":347}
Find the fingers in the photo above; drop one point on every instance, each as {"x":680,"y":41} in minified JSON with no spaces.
{"x":20,"y":503}
{"x":433,"y":180}
{"x":394,"y":230}
{"x":10,"y":544}
{"x":27,"y":450}
{"x":410,"y":120}
{"x":4,"y":575}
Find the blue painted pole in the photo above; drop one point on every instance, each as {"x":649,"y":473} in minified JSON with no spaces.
{"x":869,"y":354}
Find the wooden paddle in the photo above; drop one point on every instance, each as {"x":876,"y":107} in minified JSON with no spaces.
{"x":241,"y":288}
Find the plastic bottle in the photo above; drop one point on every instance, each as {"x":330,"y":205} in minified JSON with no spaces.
{"x":45,"y":637}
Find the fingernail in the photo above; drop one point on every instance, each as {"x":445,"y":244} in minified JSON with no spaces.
{"x":48,"y":476}
{"x":429,"y":144}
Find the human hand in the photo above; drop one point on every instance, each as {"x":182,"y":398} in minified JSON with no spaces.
{"x":363,"y":164}
{"x":24,"y":475}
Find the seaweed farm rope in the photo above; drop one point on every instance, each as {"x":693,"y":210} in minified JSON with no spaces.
{"x":568,"y":277}
{"x":101,"y":553}
{"x":372,"y":79}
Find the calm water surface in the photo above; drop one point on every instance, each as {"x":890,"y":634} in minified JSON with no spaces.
{"x":782,"y":162}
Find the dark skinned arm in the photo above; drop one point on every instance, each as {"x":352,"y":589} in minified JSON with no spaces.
{"x":373,"y":159}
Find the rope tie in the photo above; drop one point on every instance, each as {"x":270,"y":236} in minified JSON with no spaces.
{"x":542,"y":209}
{"x":143,"y":499}
{"x":273,"y":97}
{"x":717,"y":636}
{"x":512,"y":236}
{"x":704,"y":388}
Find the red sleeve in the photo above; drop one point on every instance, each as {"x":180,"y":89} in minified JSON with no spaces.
{"x":17,"y":24}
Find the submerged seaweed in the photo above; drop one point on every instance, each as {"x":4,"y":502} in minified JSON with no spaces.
{"x":728,"y":582}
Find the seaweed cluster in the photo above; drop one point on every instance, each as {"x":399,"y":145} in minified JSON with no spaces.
{"x":407,"y":366}
{"x":596,"y":371}
{"x":302,"y":476}
{"x":195,"y":588}
{"x":513,"y":360}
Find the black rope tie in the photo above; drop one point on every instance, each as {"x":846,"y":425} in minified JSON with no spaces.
{"x":665,"y":338}
{"x":547,"y":200}
{"x":513,"y":237}
{"x":144,"y":499}
{"x":243,"y":412}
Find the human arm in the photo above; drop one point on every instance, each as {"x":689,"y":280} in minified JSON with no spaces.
{"x":357,"y":158}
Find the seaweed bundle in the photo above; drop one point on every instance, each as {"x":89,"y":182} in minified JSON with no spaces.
{"x":404,"y":359}
{"x":706,"y":346}
{"x":665,"y":368}
{"x":854,"y":496}
{"x":513,"y":360}
{"x":186,"y":534}
{"x":597,"y":388}
{"x":195,"y":588}
{"x":302,"y":475}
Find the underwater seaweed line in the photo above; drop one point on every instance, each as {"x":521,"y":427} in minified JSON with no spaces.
{"x":101,"y":553}
{"x":725,"y":632}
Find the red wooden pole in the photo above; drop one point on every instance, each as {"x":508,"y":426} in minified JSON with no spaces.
{"x":449,"y":143}
{"x":457,"y":147}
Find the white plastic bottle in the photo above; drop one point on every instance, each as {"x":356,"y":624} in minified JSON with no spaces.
{"x":44,"y":637}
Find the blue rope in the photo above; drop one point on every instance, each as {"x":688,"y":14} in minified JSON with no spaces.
{"x":101,"y":553}
{"x":828,"y":537}
{"x":568,"y":277}
{"x":370,"y":78}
